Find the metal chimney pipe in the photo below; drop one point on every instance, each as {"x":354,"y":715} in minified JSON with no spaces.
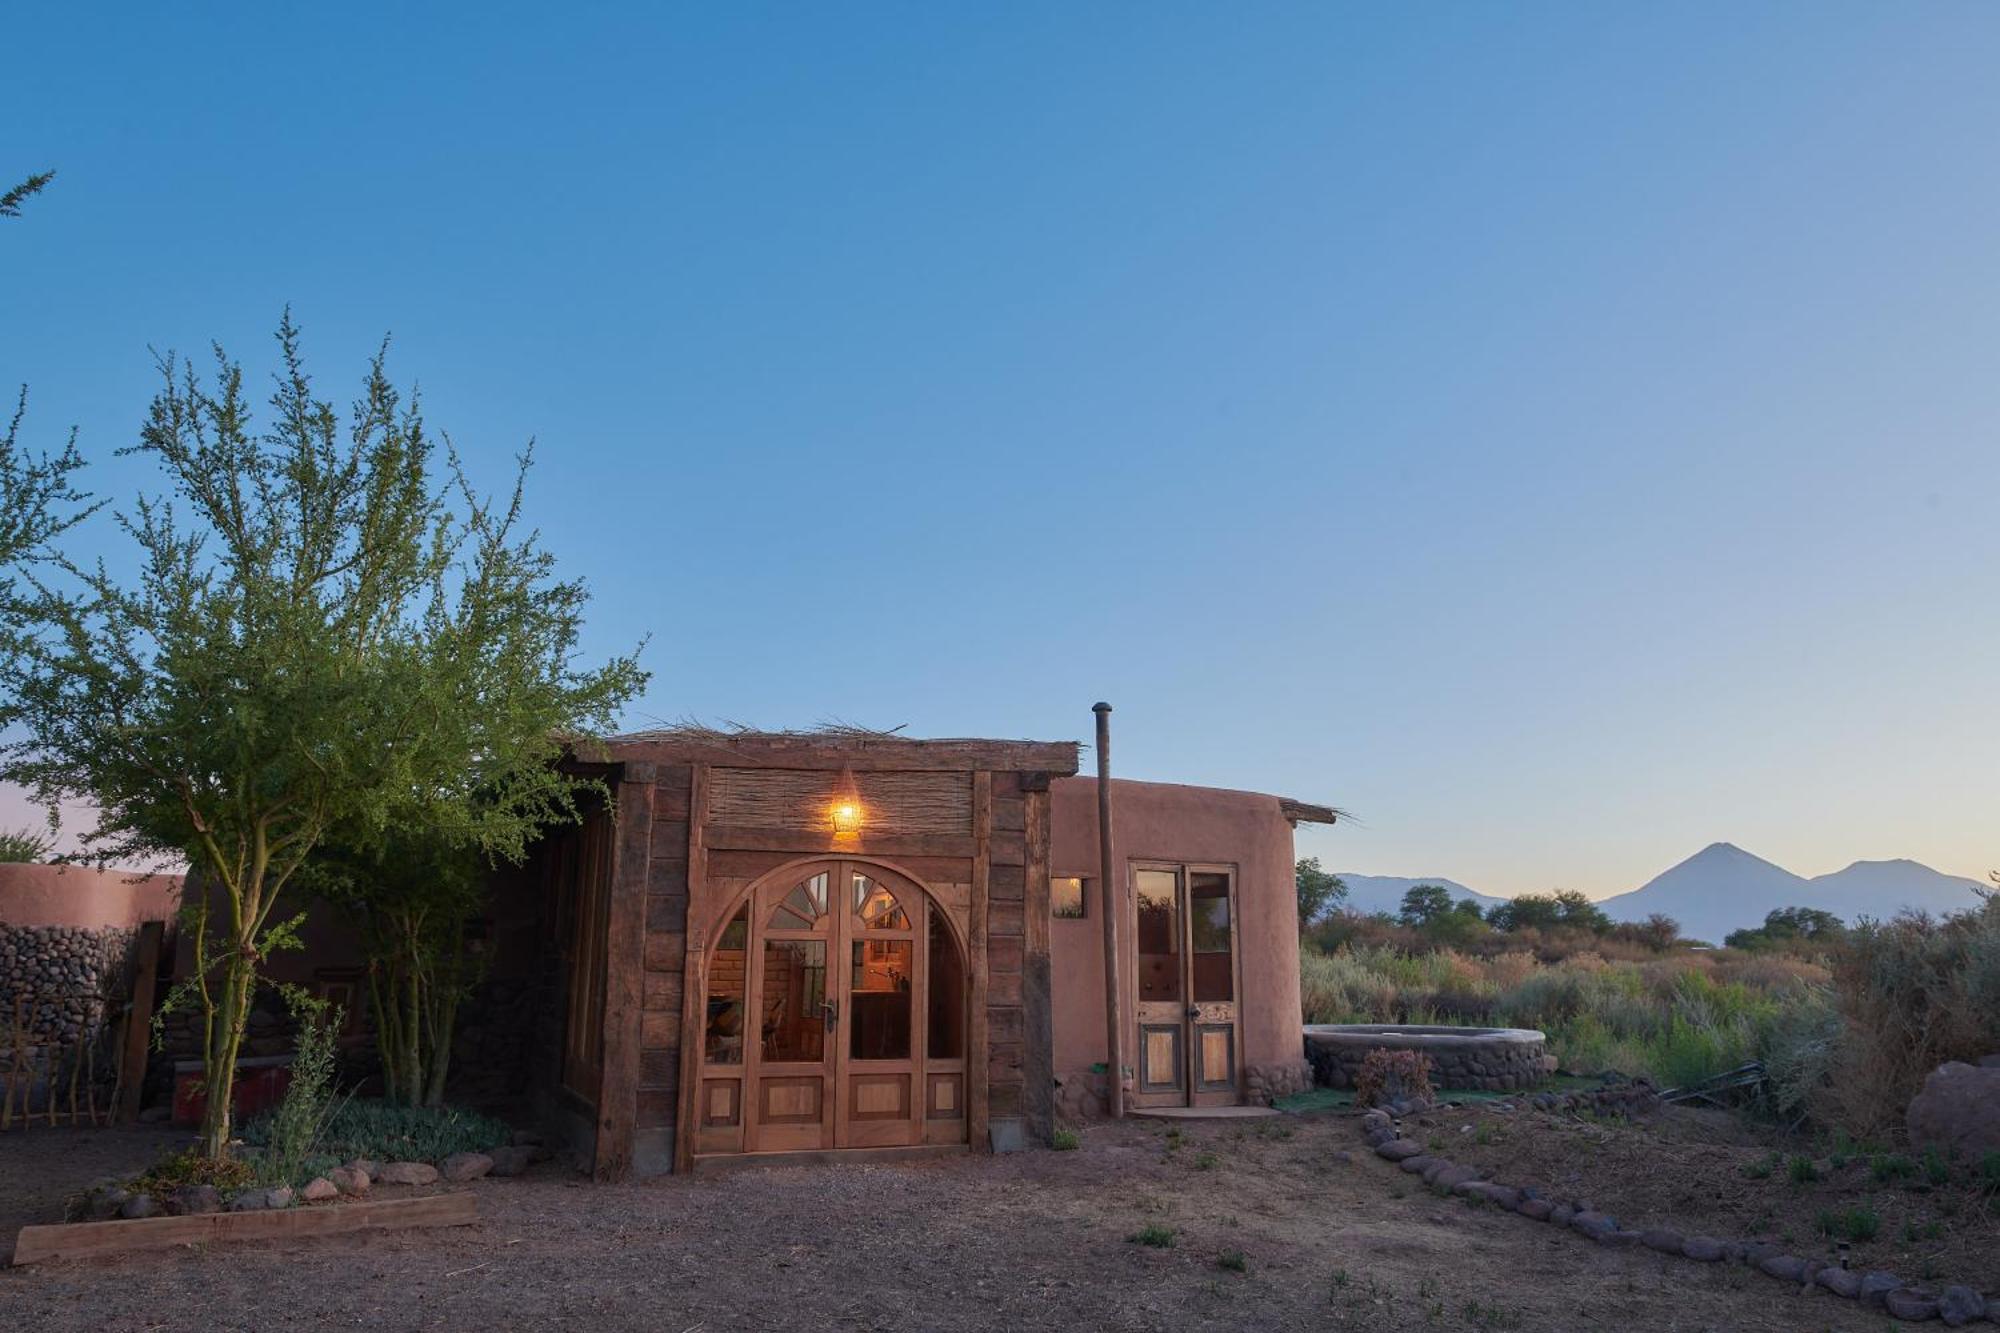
{"x":1108,"y":899}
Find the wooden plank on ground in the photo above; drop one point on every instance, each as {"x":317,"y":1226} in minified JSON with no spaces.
{"x":86,"y":1240}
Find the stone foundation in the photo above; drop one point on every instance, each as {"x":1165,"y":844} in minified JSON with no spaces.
{"x":1267,"y":1083}
{"x":1467,"y":1059}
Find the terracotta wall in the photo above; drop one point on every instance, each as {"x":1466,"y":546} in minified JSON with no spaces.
{"x":84,"y":896}
{"x":1154,"y":821}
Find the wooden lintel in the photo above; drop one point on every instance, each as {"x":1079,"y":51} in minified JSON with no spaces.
{"x":808,"y":841}
{"x":836,"y":751}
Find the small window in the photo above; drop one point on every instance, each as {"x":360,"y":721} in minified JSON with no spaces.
{"x":1068,"y":898}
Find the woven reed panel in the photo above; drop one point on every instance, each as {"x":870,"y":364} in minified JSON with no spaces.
{"x":890,"y":802}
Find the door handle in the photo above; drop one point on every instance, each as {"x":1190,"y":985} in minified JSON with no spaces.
{"x":1193,"y":1013}
{"x":831,"y":1009}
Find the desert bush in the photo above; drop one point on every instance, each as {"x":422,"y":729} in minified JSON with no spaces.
{"x":1386,"y":1076}
{"x":1913,"y":993}
{"x":294,"y":1128}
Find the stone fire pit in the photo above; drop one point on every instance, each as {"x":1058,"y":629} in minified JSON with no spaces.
{"x":1482,"y":1059}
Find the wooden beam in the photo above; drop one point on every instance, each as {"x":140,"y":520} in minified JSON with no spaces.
{"x":694,"y":977}
{"x":804,"y":841}
{"x":834,"y":752}
{"x":1301,"y":812}
{"x":1114,"y":1020}
{"x":1037,"y":996}
{"x":976,"y":1108}
{"x":139,"y":1023}
{"x":624,"y":976}
{"x":86,"y":1240}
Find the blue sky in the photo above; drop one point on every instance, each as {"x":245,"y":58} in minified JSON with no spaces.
{"x":1563,"y":435}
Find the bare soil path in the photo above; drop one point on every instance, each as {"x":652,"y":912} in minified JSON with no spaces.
{"x":1033,"y":1241}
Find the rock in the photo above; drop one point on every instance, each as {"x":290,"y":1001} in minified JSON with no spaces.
{"x":250,"y":1201}
{"x":1619,"y":1240}
{"x":1594,"y":1224}
{"x":1840,"y":1281}
{"x":1538,"y":1209}
{"x":1500,"y":1196}
{"x":1875,"y":1287}
{"x":349,"y":1180}
{"x":319,"y":1189}
{"x":105,"y":1202}
{"x":512,"y":1161}
{"x":1958,"y":1110}
{"x":527,"y":1138}
{"x":1911,"y":1303}
{"x":1453,"y":1176}
{"x":156,"y":1115}
{"x":1785,"y":1267}
{"x":367,"y":1167}
{"x":281,"y":1197}
{"x":1666,"y":1242}
{"x":139,"y":1205}
{"x":1395,"y":1150}
{"x":463,"y":1166}
{"x":406,"y":1173}
{"x":1959,"y":1306}
{"x":1706,"y":1249}
{"x":190,"y":1199}
{"x":1417,"y":1165}
{"x":1562,"y":1214}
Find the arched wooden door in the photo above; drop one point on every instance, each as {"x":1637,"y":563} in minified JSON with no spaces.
{"x":834,"y":1017}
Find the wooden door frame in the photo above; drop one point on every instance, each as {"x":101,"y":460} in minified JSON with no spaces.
{"x":1190,"y":1092}
{"x":694,"y":1001}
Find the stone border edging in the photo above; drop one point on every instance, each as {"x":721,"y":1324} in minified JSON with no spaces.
{"x":1481,"y":1059}
{"x":1957,"y":1305}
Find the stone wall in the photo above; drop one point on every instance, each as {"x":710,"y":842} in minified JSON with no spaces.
{"x":1467,"y":1059}
{"x":65,"y":982}
{"x":1267,"y":1083}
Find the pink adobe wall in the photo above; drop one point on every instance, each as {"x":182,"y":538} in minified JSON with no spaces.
{"x":1156,"y":821}
{"x":85,"y":896}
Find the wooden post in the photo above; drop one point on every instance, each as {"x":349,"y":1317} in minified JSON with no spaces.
{"x":978,"y":1050}
{"x":139,"y":1024}
{"x":624,"y":974}
{"x":1114,"y":1019}
{"x":694,"y":979}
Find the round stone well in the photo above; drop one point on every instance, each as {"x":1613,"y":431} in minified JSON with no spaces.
{"x":1469,"y":1059}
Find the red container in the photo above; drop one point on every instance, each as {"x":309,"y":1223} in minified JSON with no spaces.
{"x":260,"y":1082}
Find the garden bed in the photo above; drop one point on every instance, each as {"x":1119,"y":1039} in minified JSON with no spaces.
{"x":85,"y":1240}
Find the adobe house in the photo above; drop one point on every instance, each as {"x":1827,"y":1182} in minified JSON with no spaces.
{"x":858,"y":943}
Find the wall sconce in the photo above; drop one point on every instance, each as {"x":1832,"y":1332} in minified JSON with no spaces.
{"x":846,"y":815}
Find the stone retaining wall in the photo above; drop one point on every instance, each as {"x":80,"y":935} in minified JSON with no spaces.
{"x":1468,"y":1059}
{"x":65,"y":981}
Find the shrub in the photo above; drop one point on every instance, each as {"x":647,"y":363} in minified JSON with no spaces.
{"x":1800,"y":1169}
{"x":1065,"y":1140}
{"x":1387,"y":1076}
{"x":1857,"y":1223}
{"x":391,"y":1133}
{"x":293,"y":1130}
{"x":1153,"y":1234}
{"x":24,"y":845}
{"x":189,"y":1167}
{"x":1233,"y":1260}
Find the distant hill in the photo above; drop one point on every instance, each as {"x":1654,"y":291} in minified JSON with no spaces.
{"x":1718,"y":889}
{"x":1723,"y":888}
{"x":1384,"y":893}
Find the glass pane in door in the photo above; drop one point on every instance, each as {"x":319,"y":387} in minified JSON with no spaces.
{"x":1209,"y":927}
{"x":879,"y":1000}
{"x":794,"y":1000}
{"x":945,"y":1020}
{"x":723,"y":1040}
{"x":1159,"y":935}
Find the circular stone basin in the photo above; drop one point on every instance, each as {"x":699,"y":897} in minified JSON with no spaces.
{"x":1475,"y":1059}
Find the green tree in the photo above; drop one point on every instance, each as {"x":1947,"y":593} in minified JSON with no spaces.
{"x":302,"y":653}
{"x":1320,"y":891}
{"x":1564,"y":909}
{"x":1789,"y":925}
{"x":11,"y":201}
{"x":1425,"y":903}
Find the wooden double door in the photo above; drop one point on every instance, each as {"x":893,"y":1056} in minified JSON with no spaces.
{"x":1187,"y":980}
{"x":834,"y":1017}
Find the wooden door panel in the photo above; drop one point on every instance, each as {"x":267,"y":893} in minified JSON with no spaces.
{"x":1160,"y":1058}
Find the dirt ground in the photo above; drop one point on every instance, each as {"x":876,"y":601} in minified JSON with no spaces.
{"x":1032,"y":1241}
{"x":1709,"y":1172}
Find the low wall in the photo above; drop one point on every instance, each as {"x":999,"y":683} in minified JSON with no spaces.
{"x":1469,"y":1059}
{"x":67,"y":936}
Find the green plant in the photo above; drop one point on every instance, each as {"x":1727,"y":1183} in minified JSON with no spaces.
{"x":325,"y":631}
{"x":1857,"y":1223}
{"x":1800,"y":1169}
{"x":1888,"y":1168}
{"x":1937,"y":1169}
{"x":1206,"y":1161}
{"x":387,"y":1132}
{"x":295,"y":1127}
{"x":189,"y":1167}
{"x":1762,"y":1168}
{"x":1989,"y":1170}
{"x":1233,"y":1260}
{"x":1065,"y":1140}
{"x":24,"y":845}
{"x":1153,"y":1234}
